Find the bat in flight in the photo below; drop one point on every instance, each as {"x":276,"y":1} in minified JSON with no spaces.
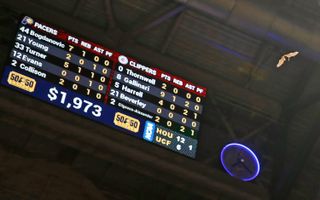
{"x":284,"y":58}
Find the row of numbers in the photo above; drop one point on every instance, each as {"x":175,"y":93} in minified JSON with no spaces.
{"x":174,"y":90}
{"x":83,"y":80}
{"x":88,"y":55}
{"x":101,"y":76}
{"x":171,"y":115}
{"x":79,"y":88}
{"x":175,"y":126}
{"x":82,"y":61}
{"x":186,"y":103}
{"x":174,"y":107}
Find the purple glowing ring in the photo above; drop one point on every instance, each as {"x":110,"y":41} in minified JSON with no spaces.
{"x":252,"y":158}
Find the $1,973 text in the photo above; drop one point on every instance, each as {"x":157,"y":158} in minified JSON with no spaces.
{"x":77,"y":103}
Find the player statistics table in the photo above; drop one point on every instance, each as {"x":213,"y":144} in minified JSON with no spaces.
{"x":105,"y":86}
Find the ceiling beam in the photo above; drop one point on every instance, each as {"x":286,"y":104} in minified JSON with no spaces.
{"x":222,"y":117}
{"x":264,"y":21}
{"x":293,"y":169}
{"x":109,"y":14}
{"x":256,"y":131}
{"x":307,"y":102}
{"x":317,"y":195}
{"x":284,"y":173}
{"x":172,"y":32}
{"x":264,"y":53}
{"x":77,"y":7}
{"x":152,"y":21}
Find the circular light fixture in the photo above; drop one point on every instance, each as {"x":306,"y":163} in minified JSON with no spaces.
{"x":240,"y":162}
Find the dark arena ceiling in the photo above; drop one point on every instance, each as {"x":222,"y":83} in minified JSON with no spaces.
{"x":232,"y":47}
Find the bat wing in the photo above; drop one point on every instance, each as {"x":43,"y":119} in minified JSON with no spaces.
{"x":281,"y":61}
{"x":292,"y":54}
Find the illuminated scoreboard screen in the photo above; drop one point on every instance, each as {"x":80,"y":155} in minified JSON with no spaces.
{"x":105,"y":86}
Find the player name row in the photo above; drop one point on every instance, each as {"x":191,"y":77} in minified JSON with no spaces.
{"x":146,"y":86}
{"x":124,"y":60}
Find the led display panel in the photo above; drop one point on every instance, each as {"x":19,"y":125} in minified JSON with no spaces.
{"x":105,"y":86}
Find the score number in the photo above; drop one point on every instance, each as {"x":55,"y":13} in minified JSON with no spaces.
{"x":182,"y":141}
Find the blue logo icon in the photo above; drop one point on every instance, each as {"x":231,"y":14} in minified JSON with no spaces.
{"x":149,"y":129}
{"x":27,"y":20}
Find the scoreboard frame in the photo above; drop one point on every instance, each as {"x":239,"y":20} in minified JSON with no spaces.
{"x":120,"y":112}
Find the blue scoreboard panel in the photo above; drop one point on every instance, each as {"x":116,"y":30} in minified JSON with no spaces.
{"x":105,"y":86}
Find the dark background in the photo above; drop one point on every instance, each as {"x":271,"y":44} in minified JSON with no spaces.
{"x":230,"y":47}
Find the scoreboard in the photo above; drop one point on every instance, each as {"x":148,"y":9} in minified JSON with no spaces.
{"x":105,"y":86}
